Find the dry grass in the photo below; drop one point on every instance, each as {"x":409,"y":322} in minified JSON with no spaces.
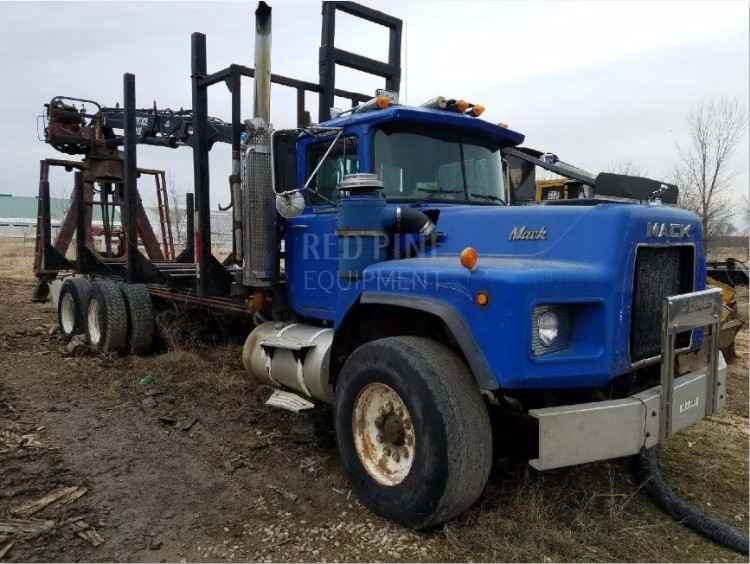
{"x":198,"y":372}
{"x":17,"y":259}
{"x":594,"y":512}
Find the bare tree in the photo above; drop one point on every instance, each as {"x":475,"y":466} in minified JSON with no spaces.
{"x":743,"y":215}
{"x":704,"y":172}
{"x":176,"y":209}
{"x":627,"y":167}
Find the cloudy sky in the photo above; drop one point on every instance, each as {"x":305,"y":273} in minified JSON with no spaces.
{"x":595,"y":82}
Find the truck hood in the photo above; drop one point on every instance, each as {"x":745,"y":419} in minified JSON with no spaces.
{"x":565,"y":232}
{"x":581,"y":256}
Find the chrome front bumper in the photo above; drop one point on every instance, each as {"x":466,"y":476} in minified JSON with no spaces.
{"x":576,"y":434}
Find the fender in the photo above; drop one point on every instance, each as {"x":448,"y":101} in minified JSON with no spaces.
{"x":455,"y":323}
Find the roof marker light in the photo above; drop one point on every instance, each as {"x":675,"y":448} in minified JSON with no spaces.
{"x":461,"y":106}
{"x":477,"y":110}
{"x":382,"y":102}
{"x":377,"y":103}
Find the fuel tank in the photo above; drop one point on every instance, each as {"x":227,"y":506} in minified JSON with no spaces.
{"x":291,"y":355}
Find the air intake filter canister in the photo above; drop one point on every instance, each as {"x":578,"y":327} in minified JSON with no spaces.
{"x":362,"y":239}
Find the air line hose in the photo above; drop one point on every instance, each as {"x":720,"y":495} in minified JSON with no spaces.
{"x":649,"y":476}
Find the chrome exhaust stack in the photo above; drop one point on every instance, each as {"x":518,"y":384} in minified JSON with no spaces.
{"x":260,"y":265}
{"x":262,"y":97}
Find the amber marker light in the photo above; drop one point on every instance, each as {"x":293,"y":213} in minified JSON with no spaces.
{"x":469,"y":258}
{"x":382,"y":102}
{"x":477,"y":110}
{"x":482,"y":298}
{"x":461,"y":105}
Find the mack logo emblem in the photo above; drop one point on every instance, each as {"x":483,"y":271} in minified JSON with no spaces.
{"x":671,"y":230}
{"x":524,"y":234}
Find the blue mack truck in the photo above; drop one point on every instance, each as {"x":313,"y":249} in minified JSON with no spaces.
{"x":424,"y":298}
{"x":397,"y":269}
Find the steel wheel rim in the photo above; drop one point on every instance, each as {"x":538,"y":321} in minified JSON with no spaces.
{"x":383,"y":434}
{"x":95,"y":332}
{"x":68,"y":314}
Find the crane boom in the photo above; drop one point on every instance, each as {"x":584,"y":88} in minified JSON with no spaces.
{"x":75,"y":131}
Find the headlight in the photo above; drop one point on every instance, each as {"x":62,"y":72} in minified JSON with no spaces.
{"x":548,"y":327}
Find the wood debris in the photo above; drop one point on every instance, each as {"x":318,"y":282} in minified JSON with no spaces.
{"x":286,"y":494}
{"x":188,"y":424}
{"x":87,"y":533}
{"x":14,"y":440}
{"x":6,"y":549}
{"x":62,"y":495}
{"x":25,"y":527}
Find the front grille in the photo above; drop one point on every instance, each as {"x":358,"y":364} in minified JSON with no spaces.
{"x":659,"y":272}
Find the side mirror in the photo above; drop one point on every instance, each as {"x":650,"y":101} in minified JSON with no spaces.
{"x":290,"y":204}
{"x":285,"y":159}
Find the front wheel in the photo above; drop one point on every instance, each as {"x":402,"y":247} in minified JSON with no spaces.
{"x":412,"y":430}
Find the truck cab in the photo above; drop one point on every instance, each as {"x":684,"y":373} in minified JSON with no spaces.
{"x":419,"y":298}
{"x":424,"y":158}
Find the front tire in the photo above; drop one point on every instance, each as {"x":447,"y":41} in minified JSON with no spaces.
{"x":412,"y":430}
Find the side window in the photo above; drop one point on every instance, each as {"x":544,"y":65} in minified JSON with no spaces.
{"x":343,"y":159}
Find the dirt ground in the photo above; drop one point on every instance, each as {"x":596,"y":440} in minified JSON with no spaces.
{"x":181,"y":461}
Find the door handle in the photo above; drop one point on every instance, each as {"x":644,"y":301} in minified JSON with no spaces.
{"x":300,"y":226}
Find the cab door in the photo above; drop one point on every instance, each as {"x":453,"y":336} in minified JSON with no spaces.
{"x":310,"y":241}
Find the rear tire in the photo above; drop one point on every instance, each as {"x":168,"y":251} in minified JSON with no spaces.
{"x":72,"y":306}
{"x":424,"y":389}
{"x":107,"y":318}
{"x":140,"y":318}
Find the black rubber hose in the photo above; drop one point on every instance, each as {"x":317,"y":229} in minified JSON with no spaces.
{"x":411,"y":220}
{"x":649,"y":476}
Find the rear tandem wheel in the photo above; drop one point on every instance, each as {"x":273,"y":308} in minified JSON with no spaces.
{"x":72,"y":306}
{"x":107,"y":318}
{"x":141,"y":327}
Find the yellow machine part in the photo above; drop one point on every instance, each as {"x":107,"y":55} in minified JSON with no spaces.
{"x":545,"y":188}
{"x":730,"y":322}
{"x":728,"y":297}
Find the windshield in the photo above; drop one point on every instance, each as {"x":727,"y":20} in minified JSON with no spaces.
{"x":417,"y":163}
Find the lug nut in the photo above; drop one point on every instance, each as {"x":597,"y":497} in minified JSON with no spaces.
{"x":396,"y":456}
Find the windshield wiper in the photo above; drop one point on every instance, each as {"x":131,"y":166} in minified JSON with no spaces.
{"x":431,"y":191}
{"x":439,"y":191}
{"x":487,"y":197}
